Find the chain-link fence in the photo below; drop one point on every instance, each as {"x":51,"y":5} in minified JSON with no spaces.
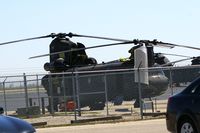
{"x":89,"y":94}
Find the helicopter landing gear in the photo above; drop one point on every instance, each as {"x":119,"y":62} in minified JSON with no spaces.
{"x":136,"y":103}
{"x":53,"y":108}
{"x":97,"y":106}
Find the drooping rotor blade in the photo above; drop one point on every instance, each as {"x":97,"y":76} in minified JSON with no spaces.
{"x":172,"y":45}
{"x":97,"y":37}
{"x":63,"y":35}
{"x":27,"y":39}
{"x":174,"y":55}
{"x":183,"y":46}
{"x":173,"y":62}
{"x":73,"y":50}
{"x":154,"y":42}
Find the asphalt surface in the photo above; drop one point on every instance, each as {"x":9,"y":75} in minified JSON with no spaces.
{"x":145,"y":126}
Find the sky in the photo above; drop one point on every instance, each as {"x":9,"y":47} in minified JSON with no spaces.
{"x":174,"y":21}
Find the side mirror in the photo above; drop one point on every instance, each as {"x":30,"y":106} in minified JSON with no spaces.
{"x":1,"y":110}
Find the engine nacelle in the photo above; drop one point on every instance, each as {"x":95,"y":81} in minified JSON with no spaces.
{"x":56,"y":66}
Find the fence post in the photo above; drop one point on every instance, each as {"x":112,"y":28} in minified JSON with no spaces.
{"x":64,"y":91}
{"x":51,"y":95}
{"x":106,"y":93}
{"x":43,"y":105}
{"x":155,"y":105}
{"x":38,"y":89}
{"x":78,"y":93}
{"x":30,"y":102}
{"x":171,"y":81}
{"x":4,"y":93}
{"x":74,"y":95}
{"x":26,"y":92}
{"x":140,"y":93}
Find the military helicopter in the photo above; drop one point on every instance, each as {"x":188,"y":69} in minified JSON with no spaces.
{"x":67,"y":56}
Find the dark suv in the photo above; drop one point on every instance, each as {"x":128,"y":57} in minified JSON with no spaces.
{"x":183,"y":110}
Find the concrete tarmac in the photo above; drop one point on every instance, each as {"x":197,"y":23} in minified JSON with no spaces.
{"x":145,"y":126}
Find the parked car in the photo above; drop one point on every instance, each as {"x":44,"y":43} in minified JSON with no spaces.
{"x":183,"y":110}
{"x":10,"y":124}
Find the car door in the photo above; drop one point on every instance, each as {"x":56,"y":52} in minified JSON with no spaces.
{"x":195,"y":102}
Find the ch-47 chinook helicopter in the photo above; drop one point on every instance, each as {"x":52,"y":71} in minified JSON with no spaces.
{"x":67,"y":56}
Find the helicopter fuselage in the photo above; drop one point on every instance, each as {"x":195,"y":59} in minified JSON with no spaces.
{"x":120,"y":82}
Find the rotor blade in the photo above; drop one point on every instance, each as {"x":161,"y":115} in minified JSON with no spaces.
{"x":174,"y":55}
{"x":63,"y":35}
{"x":97,"y":37}
{"x":155,"y":42}
{"x":67,"y":51}
{"x":173,"y":62}
{"x":183,"y":46}
{"x":27,"y":39}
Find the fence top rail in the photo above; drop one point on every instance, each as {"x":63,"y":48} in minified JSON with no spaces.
{"x":105,"y":71}
{"x":16,"y":76}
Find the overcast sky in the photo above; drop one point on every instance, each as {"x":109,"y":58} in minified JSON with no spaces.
{"x":174,"y":21}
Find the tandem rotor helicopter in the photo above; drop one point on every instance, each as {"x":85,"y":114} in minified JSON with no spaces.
{"x":67,"y":56}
